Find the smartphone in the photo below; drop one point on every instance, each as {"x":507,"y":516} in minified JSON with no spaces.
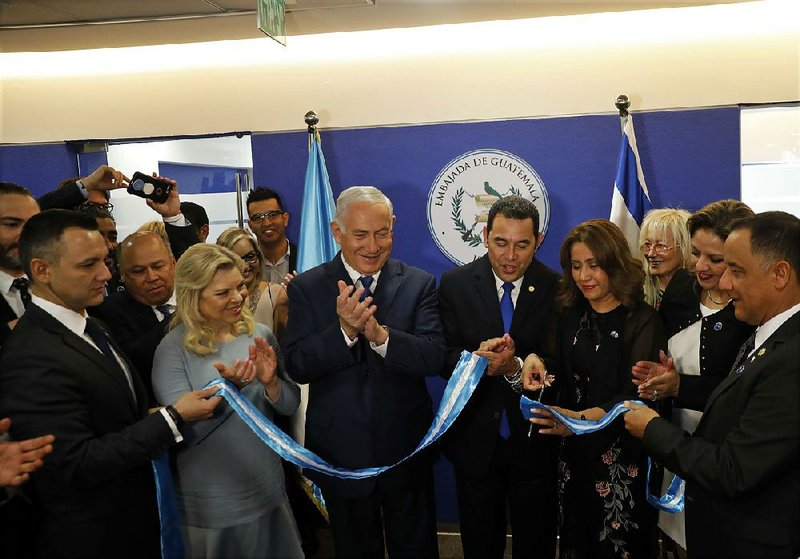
{"x":146,"y":186}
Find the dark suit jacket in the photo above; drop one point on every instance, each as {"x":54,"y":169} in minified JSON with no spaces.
{"x":364,"y":410}
{"x":136,"y":329}
{"x":471,"y":314}
{"x":7,"y":314}
{"x":742,"y":465}
{"x":96,"y":491}
{"x":292,"y":258}
{"x":69,"y":197}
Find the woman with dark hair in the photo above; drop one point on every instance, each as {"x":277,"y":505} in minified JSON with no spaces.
{"x":604,"y":328}
{"x":704,"y":335}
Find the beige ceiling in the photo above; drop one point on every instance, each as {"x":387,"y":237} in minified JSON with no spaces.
{"x":48,"y":25}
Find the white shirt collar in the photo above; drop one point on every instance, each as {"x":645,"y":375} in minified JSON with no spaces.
{"x":514,"y":292}
{"x":6,"y":280}
{"x":71,"y":320}
{"x":355,"y":274}
{"x":769,"y":327}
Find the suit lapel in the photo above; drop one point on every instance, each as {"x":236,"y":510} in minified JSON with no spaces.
{"x":388,"y":284}
{"x":526,"y":296}
{"x":83,"y":347}
{"x":486,"y":287}
{"x":780,"y":336}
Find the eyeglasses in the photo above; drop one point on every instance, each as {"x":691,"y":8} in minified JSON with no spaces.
{"x":108,"y":206}
{"x":660,"y":248}
{"x":270,"y":215}
{"x":251,"y":256}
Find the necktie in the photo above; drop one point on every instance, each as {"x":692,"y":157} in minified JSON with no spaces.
{"x":366,"y":281}
{"x":100,"y":340}
{"x":507,"y":311}
{"x":21,"y":285}
{"x":507,"y":306}
{"x":165,"y":309}
{"x":744,"y":351}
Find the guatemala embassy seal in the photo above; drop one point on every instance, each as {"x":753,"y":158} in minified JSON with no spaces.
{"x":460,"y":198}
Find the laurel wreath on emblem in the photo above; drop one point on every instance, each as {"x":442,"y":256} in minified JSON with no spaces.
{"x":467,"y":235}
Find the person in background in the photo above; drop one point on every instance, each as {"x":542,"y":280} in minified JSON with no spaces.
{"x":108,"y":229}
{"x":139,"y":315}
{"x":498,"y":466}
{"x":704,"y":335}
{"x":17,"y":206}
{"x":197,"y":216}
{"x":664,"y":242}
{"x":96,"y":188}
{"x":742,"y":463}
{"x":268,"y":221}
{"x":230,"y":486}
{"x":266,"y":300}
{"x":364,"y":333}
{"x":604,"y":328}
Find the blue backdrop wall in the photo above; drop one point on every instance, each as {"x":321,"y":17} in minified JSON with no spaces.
{"x":689,"y":158}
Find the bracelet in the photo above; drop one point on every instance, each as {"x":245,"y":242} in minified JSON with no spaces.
{"x":175,"y":415}
{"x":515,"y":380}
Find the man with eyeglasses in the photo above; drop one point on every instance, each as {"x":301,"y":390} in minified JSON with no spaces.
{"x":95,"y":189}
{"x":268,"y":222}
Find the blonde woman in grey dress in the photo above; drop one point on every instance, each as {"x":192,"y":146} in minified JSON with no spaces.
{"x":229,"y":485}
{"x":267,"y":301}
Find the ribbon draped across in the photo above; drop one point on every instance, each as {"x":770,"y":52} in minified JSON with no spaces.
{"x":671,"y":501}
{"x":462,"y":383}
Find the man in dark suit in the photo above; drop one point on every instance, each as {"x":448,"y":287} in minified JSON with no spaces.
{"x":60,"y":373}
{"x":138,"y":317}
{"x":364,"y":332}
{"x":17,"y":206}
{"x":268,"y":221}
{"x":742,"y":464}
{"x":497,"y":463}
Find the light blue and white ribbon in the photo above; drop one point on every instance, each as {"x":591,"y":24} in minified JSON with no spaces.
{"x":671,"y":501}
{"x":171,"y":539}
{"x":462,"y":383}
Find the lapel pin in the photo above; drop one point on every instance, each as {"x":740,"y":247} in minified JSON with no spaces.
{"x":718,"y":326}
{"x":531,"y":288}
{"x":614,"y":334}
{"x":761,"y":352}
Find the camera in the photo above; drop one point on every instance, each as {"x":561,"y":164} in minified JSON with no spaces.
{"x":146,"y":186}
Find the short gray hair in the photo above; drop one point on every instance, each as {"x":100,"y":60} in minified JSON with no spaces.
{"x":359,"y":194}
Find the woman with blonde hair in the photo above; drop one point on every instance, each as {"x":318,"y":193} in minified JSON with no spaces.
{"x":664,"y":243}
{"x":267,"y":301}
{"x":230,"y":486}
{"x":603,"y":328}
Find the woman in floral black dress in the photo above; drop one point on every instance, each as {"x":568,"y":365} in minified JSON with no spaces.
{"x":604,"y":328}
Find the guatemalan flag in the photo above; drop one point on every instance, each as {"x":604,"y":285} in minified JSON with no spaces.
{"x":630,"y":200}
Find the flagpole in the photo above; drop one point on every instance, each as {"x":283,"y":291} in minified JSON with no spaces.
{"x":312,"y":120}
{"x":623,"y":104}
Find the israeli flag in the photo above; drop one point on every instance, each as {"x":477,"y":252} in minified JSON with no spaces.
{"x":630,"y":200}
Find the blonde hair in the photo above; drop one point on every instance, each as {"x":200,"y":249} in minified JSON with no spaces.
{"x":233,"y":235}
{"x":156,"y":227}
{"x":657,"y":223}
{"x":195,"y":270}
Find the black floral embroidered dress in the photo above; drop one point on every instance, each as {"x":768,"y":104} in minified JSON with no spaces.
{"x":602,"y":475}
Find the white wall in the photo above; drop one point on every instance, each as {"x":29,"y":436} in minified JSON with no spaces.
{"x":669,"y":58}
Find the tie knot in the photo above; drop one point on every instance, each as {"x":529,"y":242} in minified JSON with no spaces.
{"x":165,"y":309}
{"x":508,"y":287}
{"x":366,"y":281}
{"x":20,"y":284}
